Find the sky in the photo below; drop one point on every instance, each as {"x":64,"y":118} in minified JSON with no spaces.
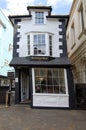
{"x":19,"y":7}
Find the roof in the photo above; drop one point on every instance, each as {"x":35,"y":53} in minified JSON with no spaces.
{"x":27,"y":61}
{"x":19,"y":16}
{"x":58,"y":16}
{"x":40,"y":7}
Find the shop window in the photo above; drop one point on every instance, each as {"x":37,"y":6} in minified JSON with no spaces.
{"x":39,"y":17}
{"x":39,"y":44}
{"x":49,"y":80}
{"x":28,"y":44}
{"x":50,"y":45}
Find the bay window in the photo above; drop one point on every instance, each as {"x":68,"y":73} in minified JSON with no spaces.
{"x":50,"y":45}
{"x":49,"y":80}
{"x":39,"y":44}
{"x":28,"y":44}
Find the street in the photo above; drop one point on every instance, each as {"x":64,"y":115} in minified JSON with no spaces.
{"x":22,"y":117}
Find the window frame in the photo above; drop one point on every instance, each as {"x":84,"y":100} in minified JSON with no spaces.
{"x":28,"y":44}
{"x":81,"y":20}
{"x":50,"y":45}
{"x":39,"y":17}
{"x":65,"y":83}
{"x":73,"y":42}
{"x":39,"y":42}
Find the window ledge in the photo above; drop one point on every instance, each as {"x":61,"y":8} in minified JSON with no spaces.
{"x":39,"y":24}
{"x":49,"y":94}
{"x":83,"y":32}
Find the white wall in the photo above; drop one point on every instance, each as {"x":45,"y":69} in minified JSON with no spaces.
{"x":50,"y":100}
{"x":28,"y":27}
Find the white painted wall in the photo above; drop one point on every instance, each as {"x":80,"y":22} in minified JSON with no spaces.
{"x":50,"y":100}
{"x":29,"y":27}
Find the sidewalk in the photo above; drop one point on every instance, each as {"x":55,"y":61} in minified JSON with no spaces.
{"x":22,"y":117}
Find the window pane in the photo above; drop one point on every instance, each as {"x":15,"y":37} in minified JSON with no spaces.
{"x":47,"y":81}
{"x":28,"y":44}
{"x":62,"y":89}
{"x":39,"y":17}
{"x":50,"y":45}
{"x":39,"y":44}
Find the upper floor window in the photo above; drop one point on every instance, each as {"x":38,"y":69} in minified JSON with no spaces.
{"x":39,"y":44}
{"x":72,"y":36}
{"x":81,"y":17}
{"x":68,"y":43}
{"x":81,"y":20}
{"x":50,"y":45}
{"x":39,"y":17}
{"x":28,"y":44}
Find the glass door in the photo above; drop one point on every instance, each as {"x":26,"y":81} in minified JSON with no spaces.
{"x":24,"y":86}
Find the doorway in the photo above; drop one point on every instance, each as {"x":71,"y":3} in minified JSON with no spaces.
{"x":81,"y":96}
{"x":25,"y":88}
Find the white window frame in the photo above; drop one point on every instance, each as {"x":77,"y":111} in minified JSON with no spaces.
{"x":41,"y":45}
{"x":66,"y":84}
{"x":39,"y":17}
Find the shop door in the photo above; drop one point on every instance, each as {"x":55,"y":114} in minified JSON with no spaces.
{"x":24,"y":87}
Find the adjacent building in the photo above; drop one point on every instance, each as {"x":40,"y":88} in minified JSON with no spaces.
{"x":42,"y":69}
{"x":76,"y":42}
{"x":6,"y":47}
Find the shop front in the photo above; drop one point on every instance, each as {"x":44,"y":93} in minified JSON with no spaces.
{"x":44,"y":83}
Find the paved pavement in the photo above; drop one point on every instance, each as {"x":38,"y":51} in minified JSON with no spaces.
{"x":24,"y":118}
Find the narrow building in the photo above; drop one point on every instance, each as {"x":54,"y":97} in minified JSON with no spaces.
{"x":42,"y":69}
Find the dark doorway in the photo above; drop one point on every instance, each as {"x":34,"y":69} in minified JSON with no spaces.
{"x":81,"y":96}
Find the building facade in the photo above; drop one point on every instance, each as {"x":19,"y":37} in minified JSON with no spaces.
{"x":6,"y":47}
{"x":42,"y":69}
{"x":76,"y":40}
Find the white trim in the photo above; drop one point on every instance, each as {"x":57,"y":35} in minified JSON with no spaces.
{"x":38,"y":32}
{"x":50,"y":94}
{"x":66,"y":83}
{"x":33,"y":80}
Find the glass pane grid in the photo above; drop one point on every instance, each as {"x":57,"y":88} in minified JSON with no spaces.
{"x":49,"y":82}
{"x":39,"y":17}
{"x":39,"y":44}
